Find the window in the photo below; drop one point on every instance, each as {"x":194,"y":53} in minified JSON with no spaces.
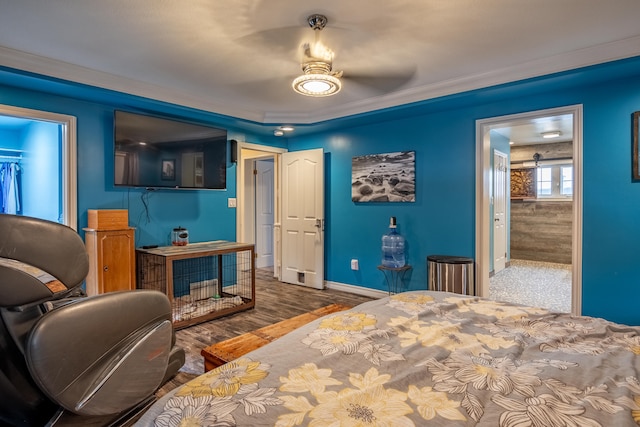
{"x":554,"y":182}
{"x":545,"y":181}
{"x":566,"y":180}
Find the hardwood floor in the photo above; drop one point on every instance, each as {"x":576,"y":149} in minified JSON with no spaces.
{"x":275,"y":301}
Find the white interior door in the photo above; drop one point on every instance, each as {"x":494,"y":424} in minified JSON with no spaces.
{"x":500,"y":169}
{"x":264,"y":212}
{"x":303,"y":218}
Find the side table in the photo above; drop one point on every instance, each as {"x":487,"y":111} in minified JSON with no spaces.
{"x":394,"y":277}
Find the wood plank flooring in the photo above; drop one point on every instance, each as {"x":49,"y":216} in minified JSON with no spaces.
{"x":275,"y":301}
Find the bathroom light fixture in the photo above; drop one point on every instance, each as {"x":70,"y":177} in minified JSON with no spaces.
{"x":552,"y":134}
{"x":287,"y":128}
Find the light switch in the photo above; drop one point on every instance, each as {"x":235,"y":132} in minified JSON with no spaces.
{"x":231,"y":202}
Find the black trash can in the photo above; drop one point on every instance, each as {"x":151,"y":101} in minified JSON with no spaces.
{"x":451,"y":274}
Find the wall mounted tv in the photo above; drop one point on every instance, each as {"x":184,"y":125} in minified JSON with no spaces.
{"x":155,"y":152}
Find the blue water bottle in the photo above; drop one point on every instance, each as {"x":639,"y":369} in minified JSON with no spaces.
{"x":393,"y":247}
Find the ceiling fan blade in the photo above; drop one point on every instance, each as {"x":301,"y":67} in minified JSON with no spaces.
{"x":270,"y":88}
{"x":381,"y":82}
{"x":283,"y":38}
{"x":289,"y":37}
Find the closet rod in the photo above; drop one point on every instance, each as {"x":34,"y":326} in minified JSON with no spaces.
{"x":11,"y":157}
{"x":11,"y":150}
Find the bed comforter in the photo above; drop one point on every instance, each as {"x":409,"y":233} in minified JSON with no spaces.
{"x":424,"y":358}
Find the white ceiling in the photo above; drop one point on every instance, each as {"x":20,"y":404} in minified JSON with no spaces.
{"x":238,"y":57}
{"x":530,"y":131}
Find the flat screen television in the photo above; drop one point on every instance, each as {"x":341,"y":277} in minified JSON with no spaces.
{"x":156,"y":152}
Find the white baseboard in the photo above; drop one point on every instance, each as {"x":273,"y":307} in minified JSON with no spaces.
{"x":359,"y":290}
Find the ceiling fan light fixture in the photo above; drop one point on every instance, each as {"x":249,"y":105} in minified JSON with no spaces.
{"x":317,"y":85}
{"x":317,"y":80}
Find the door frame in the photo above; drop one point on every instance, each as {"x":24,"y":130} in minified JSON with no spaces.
{"x":483,"y":183}
{"x":247,"y":153}
{"x":68,"y":155}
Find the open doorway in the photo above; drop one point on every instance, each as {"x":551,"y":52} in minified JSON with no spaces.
{"x":38,"y":156}
{"x":298,"y":210}
{"x":257,"y":211}
{"x":539,"y":209}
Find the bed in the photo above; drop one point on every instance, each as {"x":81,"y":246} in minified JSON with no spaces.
{"x":424,"y":358}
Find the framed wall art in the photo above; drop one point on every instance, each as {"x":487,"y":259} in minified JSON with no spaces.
{"x":386,"y":177}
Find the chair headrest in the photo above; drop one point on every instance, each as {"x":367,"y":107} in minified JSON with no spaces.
{"x":39,"y":260}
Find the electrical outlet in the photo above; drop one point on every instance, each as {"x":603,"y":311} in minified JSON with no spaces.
{"x":231,"y":202}
{"x":354,"y":264}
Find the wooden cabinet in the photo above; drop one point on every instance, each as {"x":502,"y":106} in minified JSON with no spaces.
{"x":111,"y":260}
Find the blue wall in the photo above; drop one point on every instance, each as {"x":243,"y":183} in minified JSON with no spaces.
{"x":442,"y":220}
{"x":203,"y":212}
{"x":41,"y":171}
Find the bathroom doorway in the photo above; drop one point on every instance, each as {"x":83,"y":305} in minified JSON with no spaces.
{"x":495,"y":134}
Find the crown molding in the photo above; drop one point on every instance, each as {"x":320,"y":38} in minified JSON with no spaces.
{"x":23,"y":61}
{"x":607,"y":52}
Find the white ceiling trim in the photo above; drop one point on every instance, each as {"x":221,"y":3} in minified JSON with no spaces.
{"x":583,"y":57}
{"x":580,"y":58}
{"x":63,"y":70}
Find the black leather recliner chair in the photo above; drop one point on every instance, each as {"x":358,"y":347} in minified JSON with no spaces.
{"x":61,"y":351}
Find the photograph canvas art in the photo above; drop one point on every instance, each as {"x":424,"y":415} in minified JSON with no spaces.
{"x":387,"y":177}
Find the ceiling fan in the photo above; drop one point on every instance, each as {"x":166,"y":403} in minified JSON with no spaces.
{"x":320,"y":80}
{"x":362,"y":73}
{"x":317,"y":59}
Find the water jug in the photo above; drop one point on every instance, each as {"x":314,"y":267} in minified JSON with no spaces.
{"x":393,"y":247}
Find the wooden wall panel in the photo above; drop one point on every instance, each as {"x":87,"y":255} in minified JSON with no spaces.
{"x":541,"y":231}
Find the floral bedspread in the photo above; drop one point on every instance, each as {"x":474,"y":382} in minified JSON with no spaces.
{"x":424,"y":358}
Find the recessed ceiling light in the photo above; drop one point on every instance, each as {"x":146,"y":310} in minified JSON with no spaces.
{"x":278,"y":132}
{"x":511,"y":142}
{"x":287,"y":128}
{"x":552,"y":134}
